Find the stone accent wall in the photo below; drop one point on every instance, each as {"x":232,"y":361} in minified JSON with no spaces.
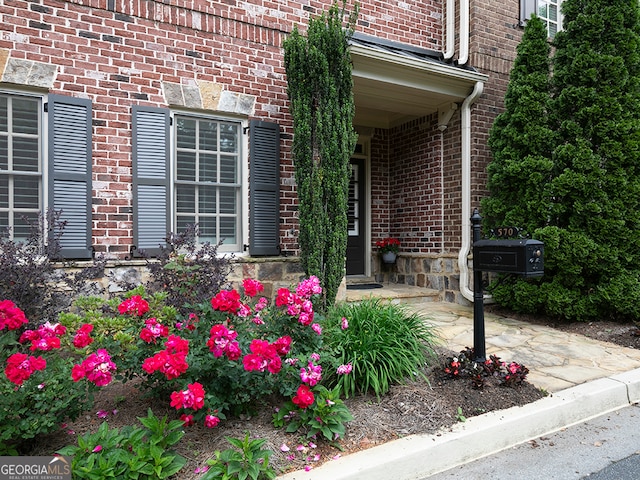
{"x":430,"y":271}
{"x":274,"y":273}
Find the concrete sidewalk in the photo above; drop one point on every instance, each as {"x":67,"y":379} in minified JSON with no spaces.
{"x":585,"y":378}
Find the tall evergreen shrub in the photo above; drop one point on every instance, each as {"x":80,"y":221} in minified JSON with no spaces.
{"x":521,"y":139}
{"x":320,"y":90}
{"x":589,"y":214}
{"x":594,"y":234}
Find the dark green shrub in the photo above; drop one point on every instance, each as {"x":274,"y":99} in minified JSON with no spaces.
{"x":384,"y":343}
{"x":320,"y":90}
{"x":521,"y":140}
{"x":583,"y":197}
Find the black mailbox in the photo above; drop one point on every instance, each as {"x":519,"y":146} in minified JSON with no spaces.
{"x":523,"y":257}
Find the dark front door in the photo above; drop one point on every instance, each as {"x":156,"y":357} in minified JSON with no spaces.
{"x":356,"y":241}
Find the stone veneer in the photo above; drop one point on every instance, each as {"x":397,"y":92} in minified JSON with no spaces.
{"x":429,"y":271}
{"x":274,"y":273}
{"x":434,"y":271}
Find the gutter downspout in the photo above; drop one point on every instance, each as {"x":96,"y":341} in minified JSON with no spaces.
{"x":466,"y":190}
{"x":463,"y":58}
{"x":450,"y":33}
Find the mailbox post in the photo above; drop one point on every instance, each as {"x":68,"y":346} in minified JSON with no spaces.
{"x":478,"y":296}
{"x":524,"y":257}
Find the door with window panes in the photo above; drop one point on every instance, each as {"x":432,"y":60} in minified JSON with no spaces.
{"x":356,"y":246}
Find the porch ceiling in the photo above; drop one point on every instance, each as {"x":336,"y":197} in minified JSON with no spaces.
{"x":394,"y":83}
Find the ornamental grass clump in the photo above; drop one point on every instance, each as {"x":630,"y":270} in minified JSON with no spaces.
{"x":382,"y":342}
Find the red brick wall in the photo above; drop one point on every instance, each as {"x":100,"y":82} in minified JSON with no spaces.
{"x":380,"y":191}
{"x":452,"y":181}
{"x":117,"y":53}
{"x":416,"y":215}
{"x":428,"y":217}
{"x":494,"y":34}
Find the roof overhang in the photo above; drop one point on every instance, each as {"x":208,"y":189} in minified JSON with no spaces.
{"x":394,"y":86}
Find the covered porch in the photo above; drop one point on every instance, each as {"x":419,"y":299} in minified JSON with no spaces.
{"x":411,"y":168}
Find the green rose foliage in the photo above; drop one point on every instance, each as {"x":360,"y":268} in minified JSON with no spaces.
{"x":43,"y":402}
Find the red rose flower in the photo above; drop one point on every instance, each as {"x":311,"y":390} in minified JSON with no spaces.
{"x":11,"y":316}
{"x":252,"y":287}
{"x":304,"y":397}
{"x":226,"y":301}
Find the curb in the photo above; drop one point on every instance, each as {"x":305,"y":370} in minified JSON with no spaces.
{"x":419,"y":456}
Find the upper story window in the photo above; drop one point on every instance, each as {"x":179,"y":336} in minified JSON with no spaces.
{"x":208,"y":187}
{"x":20,"y":164}
{"x":547,"y":10}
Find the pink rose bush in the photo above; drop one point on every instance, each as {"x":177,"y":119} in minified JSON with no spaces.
{"x":45,"y":338}
{"x":222,"y":341}
{"x":135,"y":305}
{"x":82,"y":337}
{"x":38,"y":389}
{"x":153,"y":330}
{"x":21,"y":366}
{"x":304,"y":397}
{"x":172,"y":361}
{"x":192,"y":397}
{"x":222,"y":357}
{"x":97,"y":368}
{"x":233,"y":351}
{"x":315,"y":408}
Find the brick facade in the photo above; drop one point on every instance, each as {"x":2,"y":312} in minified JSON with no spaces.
{"x":227,"y":57}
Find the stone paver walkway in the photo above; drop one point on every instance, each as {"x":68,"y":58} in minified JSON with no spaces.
{"x":556,"y":360}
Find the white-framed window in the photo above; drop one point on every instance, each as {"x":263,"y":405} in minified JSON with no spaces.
{"x":549,"y":12}
{"x":208,"y":181}
{"x":218,"y":172}
{"x":21,"y":166}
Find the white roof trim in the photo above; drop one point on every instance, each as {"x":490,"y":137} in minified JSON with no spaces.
{"x":393,"y":88}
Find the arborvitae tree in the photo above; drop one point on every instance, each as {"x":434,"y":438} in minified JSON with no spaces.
{"x":591,"y":201}
{"x":594,"y":235}
{"x":521,"y":140}
{"x":320,"y":90}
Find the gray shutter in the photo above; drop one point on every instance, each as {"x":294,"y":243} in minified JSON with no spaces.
{"x":527,"y":8}
{"x":151,"y":196}
{"x":264,"y":188}
{"x":70,"y":171}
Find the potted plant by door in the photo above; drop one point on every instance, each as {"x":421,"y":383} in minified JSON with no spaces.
{"x":388,"y":248}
